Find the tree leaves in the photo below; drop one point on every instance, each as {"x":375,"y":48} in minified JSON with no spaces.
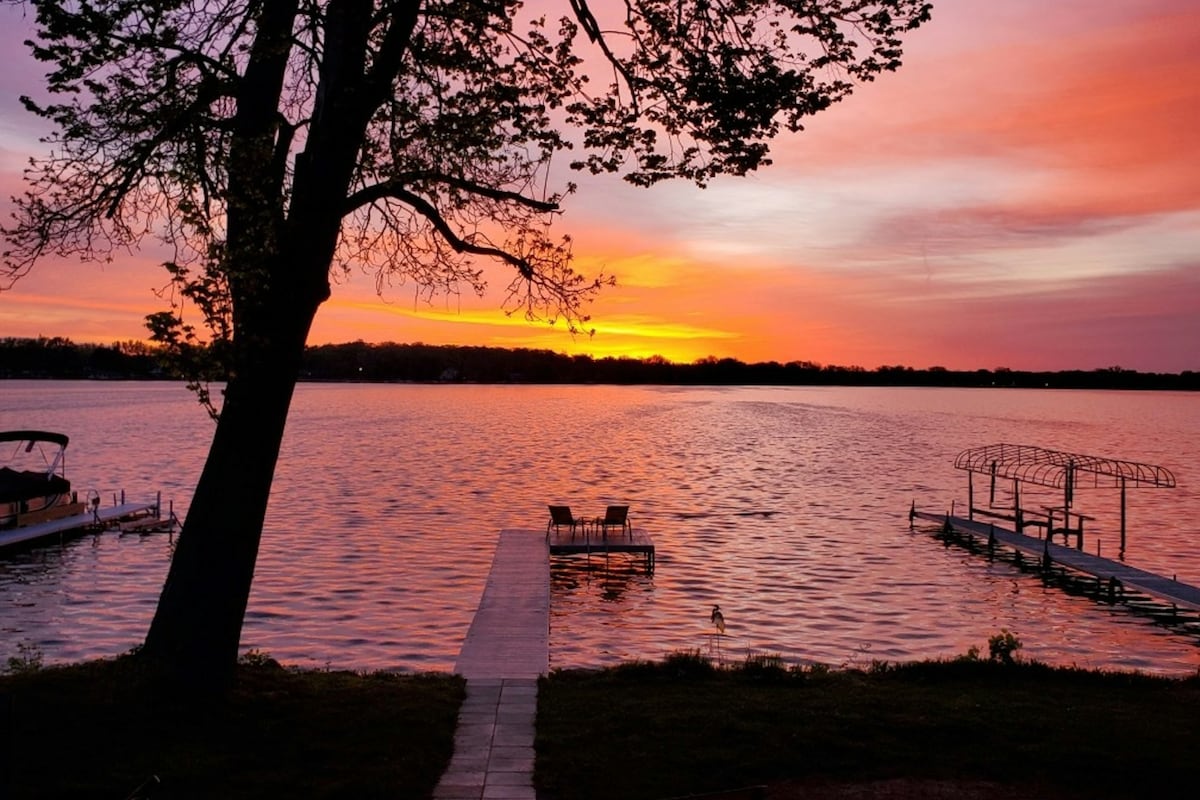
{"x":419,"y":133}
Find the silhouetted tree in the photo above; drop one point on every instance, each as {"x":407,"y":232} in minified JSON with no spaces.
{"x":267,"y":141}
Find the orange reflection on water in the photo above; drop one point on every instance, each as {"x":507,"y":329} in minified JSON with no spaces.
{"x":787,"y":507}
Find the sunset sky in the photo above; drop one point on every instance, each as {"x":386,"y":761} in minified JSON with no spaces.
{"x":1024,"y":192}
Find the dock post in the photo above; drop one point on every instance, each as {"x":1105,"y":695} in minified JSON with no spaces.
{"x":1122,"y":516}
{"x":1018,"y":515}
{"x":970,"y":496}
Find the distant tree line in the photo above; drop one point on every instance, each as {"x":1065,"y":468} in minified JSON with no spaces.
{"x":360,"y":361}
{"x":57,"y":357}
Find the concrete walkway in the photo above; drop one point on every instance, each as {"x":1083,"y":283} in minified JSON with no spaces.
{"x":506,"y":649}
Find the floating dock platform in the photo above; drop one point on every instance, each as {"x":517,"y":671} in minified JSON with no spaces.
{"x":586,"y":540}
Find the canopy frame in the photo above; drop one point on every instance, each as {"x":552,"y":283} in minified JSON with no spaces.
{"x":1058,"y":469}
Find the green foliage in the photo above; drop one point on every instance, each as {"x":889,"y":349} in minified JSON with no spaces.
{"x":688,"y":664}
{"x":766,"y":667}
{"x":816,"y":670}
{"x":1003,"y":647}
{"x":258,"y":659}
{"x":28,"y":659}
{"x":679,"y":665}
{"x":198,"y":355}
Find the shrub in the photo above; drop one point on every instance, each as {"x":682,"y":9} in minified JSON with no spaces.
{"x":28,"y":659}
{"x":764,"y":666}
{"x":1003,"y":646}
{"x":688,"y":664}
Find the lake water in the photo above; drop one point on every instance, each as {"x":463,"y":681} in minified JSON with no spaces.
{"x":786,"y":506}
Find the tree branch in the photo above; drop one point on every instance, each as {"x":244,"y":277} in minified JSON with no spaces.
{"x":592,"y":28}
{"x":395,"y":188}
{"x":460,"y":245}
{"x":390,"y":57}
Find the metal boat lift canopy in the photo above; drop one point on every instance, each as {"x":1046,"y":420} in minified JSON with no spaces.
{"x":1022,"y":463}
{"x":1058,"y":469}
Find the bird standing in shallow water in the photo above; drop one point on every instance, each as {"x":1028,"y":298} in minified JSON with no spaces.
{"x":718,"y":620}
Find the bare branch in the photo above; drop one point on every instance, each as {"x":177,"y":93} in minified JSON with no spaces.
{"x":396,"y":188}
{"x":430,"y":212}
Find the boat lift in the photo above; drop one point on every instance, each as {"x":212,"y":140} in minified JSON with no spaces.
{"x":1056,"y":469}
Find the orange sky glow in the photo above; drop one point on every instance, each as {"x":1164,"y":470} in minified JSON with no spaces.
{"x":1024,"y":192}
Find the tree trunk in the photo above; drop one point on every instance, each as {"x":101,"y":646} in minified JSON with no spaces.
{"x":193,"y":639}
{"x":278,"y":269}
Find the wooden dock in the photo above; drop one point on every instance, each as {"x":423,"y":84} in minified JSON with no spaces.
{"x":139,"y":516}
{"x":586,"y":540}
{"x":510,"y":634}
{"x":1113,"y":579}
{"x":505,"y":651}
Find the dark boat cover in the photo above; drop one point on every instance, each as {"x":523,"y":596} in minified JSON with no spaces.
{"x":16,"y":486}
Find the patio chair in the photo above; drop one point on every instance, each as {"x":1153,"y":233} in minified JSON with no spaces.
{"x":561,"y":516}
{"x":616,"y":517}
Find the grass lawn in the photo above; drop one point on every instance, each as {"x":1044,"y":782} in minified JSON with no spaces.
{"x":88,"y":731}
{"x":1016,"y":730}
{"x":957,"y":729}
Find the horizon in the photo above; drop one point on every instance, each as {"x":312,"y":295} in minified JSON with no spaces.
{"x":782,"y":363}
{"x":1023,"y":194}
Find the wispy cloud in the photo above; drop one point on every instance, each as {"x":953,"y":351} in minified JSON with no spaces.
{"x":1023,"y":192}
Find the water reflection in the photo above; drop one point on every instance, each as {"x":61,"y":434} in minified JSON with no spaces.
{"x":597,"y":576}
{"x":787,"y":507}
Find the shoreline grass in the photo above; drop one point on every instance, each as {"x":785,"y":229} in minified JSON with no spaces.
{"x":681,"y":727}
{"x":91,"y":731}
{"x":964,"y":728}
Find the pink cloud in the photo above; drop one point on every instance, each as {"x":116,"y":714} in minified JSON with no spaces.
{"x":1024,"y":192}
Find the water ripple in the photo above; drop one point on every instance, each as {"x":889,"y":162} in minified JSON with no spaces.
{"x":785,"y":506}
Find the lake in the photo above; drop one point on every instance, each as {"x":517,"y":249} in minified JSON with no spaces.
{"x":786,"y":506}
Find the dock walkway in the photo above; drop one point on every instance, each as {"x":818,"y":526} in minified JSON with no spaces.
{"x":1166,"y":589}
{"x":76,"y":524}
{"x":506,"y":649}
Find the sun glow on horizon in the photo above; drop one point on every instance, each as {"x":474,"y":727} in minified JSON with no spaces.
{"x":1023,"y":192}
